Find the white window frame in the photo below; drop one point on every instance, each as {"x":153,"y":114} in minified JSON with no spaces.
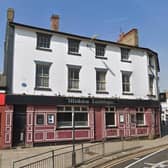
{"x":71,"y":111}
{"x":125,"y":54}
{"x":100,"y":83}
{"x":138,"y":110}
{"x":129,"y":74}
{"x":43,"y":41}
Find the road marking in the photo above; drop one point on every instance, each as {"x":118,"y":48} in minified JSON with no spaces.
{"x":132,"y":164}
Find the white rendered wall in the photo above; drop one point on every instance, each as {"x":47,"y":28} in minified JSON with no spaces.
{"x":25,"y":55}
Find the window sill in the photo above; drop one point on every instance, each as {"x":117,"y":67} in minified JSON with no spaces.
{"x":126,"y":93}
{"x":151,"y":95}
{"x":42,"y":89}
{"x":70,"y":128}
{"x":141,"y":126}
{"x":111,"y":126}
{"x":128,"y":61}
{"x":74,"y":53}
{"x":102,"y":92}
{"x":75,"y":91}
{"x":101,"y":57}
{"x":44,"y":49}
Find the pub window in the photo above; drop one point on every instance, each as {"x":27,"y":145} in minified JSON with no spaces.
{"x":110,"y":116}
{"x":40,"y":119}
{"x":140,"y":117}
{"x":50,"y":118}
{"x":64,"y":118}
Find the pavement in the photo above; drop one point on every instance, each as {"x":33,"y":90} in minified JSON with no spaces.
{"x":9,"y":155}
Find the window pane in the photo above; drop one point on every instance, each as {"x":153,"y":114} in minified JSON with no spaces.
{"x":43,"y":40}
{"x":124,"y":54}
{"x":42,"y":75}
{"x":110,"y":119}
{"x":100,"y":50}
{"x":73,"y":78}
{"x":100,"y":81}
{"x":64,"y":119}
{"x":126,"y":82}
{"x":73,"y":45}
{"x":81,"y":119}
{"x":40,"y":119}
{"x":140,"y":118}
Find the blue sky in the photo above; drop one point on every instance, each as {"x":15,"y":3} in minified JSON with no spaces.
{"x":104,"y":18}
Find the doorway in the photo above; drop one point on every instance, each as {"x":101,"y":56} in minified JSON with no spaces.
{"x":19,"y":125}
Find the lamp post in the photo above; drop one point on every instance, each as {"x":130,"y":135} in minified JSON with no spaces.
{"x":73,"y":141}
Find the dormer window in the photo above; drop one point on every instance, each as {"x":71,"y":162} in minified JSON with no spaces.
{"x":100,"y":50}
{"x":73,"y":46}
{"x":125,"y":54}
{"x":43,"y":41}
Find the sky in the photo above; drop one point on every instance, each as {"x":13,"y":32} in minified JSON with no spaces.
{"x":104,"y":18}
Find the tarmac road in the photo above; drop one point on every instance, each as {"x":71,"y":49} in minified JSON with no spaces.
{"x":158,"y":159}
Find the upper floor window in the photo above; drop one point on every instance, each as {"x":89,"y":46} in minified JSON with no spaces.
{"x":151,"y":83}
{"x":100,"y":50}
{"x":125,"y":54}
{"x":101,"y":80}
{"x":73,"y":77}
{"x":43,"y":41}
{"x":110,"y":116}
{"x":73,"y":46}
{"x":126,"y":85}
{"x":42,"y":75}
{"x":151,"y":61}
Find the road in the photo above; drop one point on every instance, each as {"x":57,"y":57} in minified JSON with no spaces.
{"x":158,"y":159}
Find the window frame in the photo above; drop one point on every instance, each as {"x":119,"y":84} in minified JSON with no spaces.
{"x":110,"y":112}
{"x":100,"y":50}
{"x":71,"y":80}
{"x":125,"y":55}
{"x":41,"y":77}
{"x":43,"y":41}
{"x":43,"y":119}
{"x":140,"y":110}
{"x":74,"y":44}
{"x":100,"y":83}
{"x":151,"y":85}
{"x":126,"y":84}
{"x":71,"y":111}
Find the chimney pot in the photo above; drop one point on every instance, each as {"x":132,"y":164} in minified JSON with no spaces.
{"x":10,"y":14}
{"x":55,"y":22}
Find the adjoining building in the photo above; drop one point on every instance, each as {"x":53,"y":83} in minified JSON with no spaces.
{"x":111,"y":87}
{"x":164,"y":107}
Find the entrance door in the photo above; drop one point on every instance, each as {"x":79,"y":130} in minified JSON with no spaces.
{"x":19,"y":125}
{"x":98,"y":124}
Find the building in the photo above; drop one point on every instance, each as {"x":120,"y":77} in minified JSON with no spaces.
{"x":111,"y":87}
{"x":164,"y":107}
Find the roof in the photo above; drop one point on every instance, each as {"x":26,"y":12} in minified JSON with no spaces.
{"x":87,"y":38}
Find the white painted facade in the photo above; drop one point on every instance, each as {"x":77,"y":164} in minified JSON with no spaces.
{"x":24,"y":67}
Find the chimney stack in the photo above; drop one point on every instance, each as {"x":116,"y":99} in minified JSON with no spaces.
{"x":129,"y":38}
{"x":10,"y":14}
{"x":55,"y":22}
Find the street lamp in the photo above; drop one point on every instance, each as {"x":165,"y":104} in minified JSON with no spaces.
{"x":73,"y":141}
